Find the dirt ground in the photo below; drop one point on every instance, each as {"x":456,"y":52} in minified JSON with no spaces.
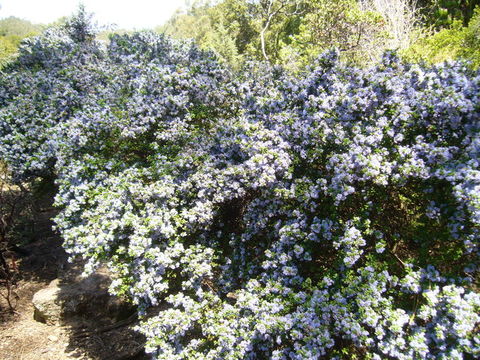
{"x":23,"y":338}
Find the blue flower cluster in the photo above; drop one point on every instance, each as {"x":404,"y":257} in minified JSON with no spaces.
{"x":259,"y":215}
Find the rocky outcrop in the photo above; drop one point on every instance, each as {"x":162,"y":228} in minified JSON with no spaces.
{"x":70,"y":296}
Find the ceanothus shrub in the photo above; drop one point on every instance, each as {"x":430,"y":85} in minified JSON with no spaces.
{"x":260,"y":216}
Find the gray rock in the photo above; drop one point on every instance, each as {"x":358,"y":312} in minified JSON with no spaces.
{"x":87,"y":298}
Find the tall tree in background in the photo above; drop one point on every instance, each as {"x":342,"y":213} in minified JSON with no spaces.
{"x":271,"y":9}
{"x":453,"y":42}
{"x":213,"y":27}
{"x":236,"y":29}
{"x":294,"y":32}
{"x":356,"y":32}
{"x":441,"y":13}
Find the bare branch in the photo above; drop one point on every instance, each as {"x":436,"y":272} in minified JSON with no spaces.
{"x":271,"y":9}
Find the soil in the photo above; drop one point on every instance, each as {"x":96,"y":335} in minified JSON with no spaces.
{"x":23,"y":338}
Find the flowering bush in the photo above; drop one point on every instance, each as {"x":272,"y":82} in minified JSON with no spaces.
{"x":260,"y":216}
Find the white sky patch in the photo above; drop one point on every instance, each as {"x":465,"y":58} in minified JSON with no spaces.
{"x":125,"y":14}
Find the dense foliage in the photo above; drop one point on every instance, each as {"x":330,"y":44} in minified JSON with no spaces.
{"x":294,"y":32}
{"x":335,"y":215}
{"x":441,"y":13}
{"x":423,"y":30}
{"x":453,"y":42}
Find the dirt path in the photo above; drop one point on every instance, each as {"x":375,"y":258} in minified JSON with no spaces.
{"x":23,"y":338}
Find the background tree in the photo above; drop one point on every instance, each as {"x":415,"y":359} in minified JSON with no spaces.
{"x":293,"y":32}
{"x":252,"y":29}
{"x":450,"y":43}
{"x":358,"y":33}
{"x":270,"y":10}
{"x":213,"y":27}
{"x":441,"y":13}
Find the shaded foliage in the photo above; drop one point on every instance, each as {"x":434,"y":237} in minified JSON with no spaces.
{"x":453,"y":42}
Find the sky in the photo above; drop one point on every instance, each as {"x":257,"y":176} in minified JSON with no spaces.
{"x":125,"y":14}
